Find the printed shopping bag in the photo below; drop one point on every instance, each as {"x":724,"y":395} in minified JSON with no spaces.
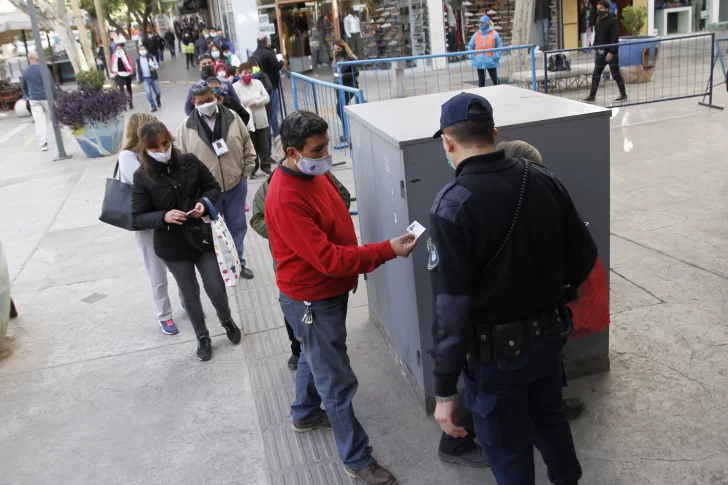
{"x":225,"y":250}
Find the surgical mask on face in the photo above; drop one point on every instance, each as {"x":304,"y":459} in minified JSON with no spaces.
{"x":227,"y":55}
{"x":207,"y":36}
{"x":222,"y":77}
{"x":213,"y":34}
{"x":207,"y":109}
{"x":483,"y":26}
{"x":246,"y":78}
{"x":162,"y":157}
{"x":215,"y":54}
{"x":447,"y":156}
{"x":142,"y":53}
{"x":119,"y":52}
{"x":314,"y":166}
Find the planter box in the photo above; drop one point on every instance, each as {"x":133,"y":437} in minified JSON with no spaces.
{"x":638,"y":58}
{"x":101,"y":140}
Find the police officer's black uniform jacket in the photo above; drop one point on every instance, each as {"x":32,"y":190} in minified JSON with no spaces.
{"x":550,"y":248}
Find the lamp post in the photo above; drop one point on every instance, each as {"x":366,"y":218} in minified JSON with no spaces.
{"x":47,"y":83}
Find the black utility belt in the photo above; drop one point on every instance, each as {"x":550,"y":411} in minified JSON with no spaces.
{"x":510,"y":339}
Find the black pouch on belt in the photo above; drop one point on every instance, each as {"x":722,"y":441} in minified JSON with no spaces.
{"x":484,"y":344}
{"x":510,"y":339}
{"x":561,"y":323}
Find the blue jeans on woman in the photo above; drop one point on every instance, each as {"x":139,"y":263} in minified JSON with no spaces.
{"x":325,"y":375}
{"x":149,"y":86}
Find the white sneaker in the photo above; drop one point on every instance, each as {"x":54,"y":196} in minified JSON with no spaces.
{"x":386,"y":26}
{"x":466,"y":3}
{"x":44,"y":147}
{"x":468,"y":14}
{"x":491,"y":12}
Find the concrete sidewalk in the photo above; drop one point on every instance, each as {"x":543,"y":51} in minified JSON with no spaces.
{"x":93,"y":393}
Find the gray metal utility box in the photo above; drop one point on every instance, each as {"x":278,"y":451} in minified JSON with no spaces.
{"x":399,"y":168}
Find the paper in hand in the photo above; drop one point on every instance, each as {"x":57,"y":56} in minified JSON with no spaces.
{"x":416,"y":229}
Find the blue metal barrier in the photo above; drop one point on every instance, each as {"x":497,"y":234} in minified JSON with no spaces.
{"x":398,"y":77}
{"x":721,"y":46}
{"x":328,"y":101}
{"x":653,"y":69}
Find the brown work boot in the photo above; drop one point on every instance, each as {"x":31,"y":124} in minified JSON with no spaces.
{"x":373,"y":474}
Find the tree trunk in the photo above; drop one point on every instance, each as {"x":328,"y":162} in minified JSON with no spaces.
{"x":83,"y":34}
{"x":522,"y":22}
{"x":55,"y":17}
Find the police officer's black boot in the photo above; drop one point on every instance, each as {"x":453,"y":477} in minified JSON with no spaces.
{"x":469,"y":454}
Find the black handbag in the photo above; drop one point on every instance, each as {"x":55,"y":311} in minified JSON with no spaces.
{"x":116,"y":208}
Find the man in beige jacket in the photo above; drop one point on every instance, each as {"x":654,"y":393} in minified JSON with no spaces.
{"x":218,"y":137}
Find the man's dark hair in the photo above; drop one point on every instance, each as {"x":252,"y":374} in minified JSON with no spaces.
{"x":604,"y":3}
{"x":472,"y":134}
{"x":199,"y":88}
{"x":206,"y":56}
{"x":299,"y":126}
{"x":245,"y":65}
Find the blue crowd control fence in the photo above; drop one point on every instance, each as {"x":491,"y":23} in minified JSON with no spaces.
{"x":654,"y":69}
{"x":328,"y":101}
{"x":399,"y":77}
{"x":721,"y":52}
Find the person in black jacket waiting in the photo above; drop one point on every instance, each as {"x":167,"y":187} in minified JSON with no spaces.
{"x":271,"y":66}
{"x":607,"y":32}
{"x":168,"y":190}
{"x":221,"y":93}
{"x":349,"y":74}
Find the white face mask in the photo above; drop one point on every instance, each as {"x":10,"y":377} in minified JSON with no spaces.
{"x":119,"y":52}
{"x":207,"y":109}
{"x":314,"y":166}
{"x":142,"y":53}
{"x":162,"y":157}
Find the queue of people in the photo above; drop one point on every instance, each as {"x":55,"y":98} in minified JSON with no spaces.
{"x":302,"y":210}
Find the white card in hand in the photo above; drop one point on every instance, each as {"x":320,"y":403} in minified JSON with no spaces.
{"x":416,"y":229}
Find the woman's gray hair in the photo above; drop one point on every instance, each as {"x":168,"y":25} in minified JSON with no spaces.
{"x":520,"y":149}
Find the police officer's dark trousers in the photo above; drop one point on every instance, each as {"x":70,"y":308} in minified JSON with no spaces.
{"x":516,"y":405}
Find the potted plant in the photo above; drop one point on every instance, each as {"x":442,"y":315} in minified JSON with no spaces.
{"x":638,"y":56}
{"x":95,"y":115}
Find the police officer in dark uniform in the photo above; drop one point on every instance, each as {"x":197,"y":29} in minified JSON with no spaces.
{"x":506,"y":246}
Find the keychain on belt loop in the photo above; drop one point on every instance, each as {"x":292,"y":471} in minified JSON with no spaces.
{"x":308,"y":316}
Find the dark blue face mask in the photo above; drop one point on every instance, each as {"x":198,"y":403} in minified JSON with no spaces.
{"x":217,"y":91}
{"x":483,"y":26}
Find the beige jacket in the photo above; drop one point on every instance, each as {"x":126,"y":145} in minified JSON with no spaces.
{"x":254,"y":93}
{"x":238,"y":163}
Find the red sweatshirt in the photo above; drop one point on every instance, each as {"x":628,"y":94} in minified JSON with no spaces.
{"x":313,"y":240}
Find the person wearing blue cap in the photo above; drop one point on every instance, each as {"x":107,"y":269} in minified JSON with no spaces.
{"x":486,"y":38}
{"x":506,"y":245}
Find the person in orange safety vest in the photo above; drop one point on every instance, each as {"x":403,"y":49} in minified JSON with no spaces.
{"x":486,"y":38}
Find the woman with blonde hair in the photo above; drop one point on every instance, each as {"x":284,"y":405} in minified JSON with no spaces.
{"x":349,"y":74}
{"x":157,"y":271}
{"x":520,"y":149}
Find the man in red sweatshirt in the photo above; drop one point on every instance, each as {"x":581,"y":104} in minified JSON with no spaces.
{"x":313,"y":240}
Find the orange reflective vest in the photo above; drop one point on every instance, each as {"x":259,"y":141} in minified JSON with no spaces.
{"x":487,"y":42}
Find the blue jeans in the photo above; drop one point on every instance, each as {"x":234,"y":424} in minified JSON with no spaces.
{"x":325,"y":376}
{"x":275,"y":100}
{"x":149,"y":85}
{"x":516,"y":405}
{"x":544,"y":28}
{"x":232,"y":207}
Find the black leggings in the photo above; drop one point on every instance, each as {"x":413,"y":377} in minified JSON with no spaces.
{"x":347,"y":98}
{"x":190,"y":59}
{"x":122,"y":81}
{"x":492,"y":72}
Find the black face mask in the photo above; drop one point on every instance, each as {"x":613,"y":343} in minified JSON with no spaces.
{"x":339,"y":53}
{"x":602,"y":13}
{"x":208,"y":71}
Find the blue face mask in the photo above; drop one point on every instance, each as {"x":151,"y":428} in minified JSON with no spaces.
{"x":217,"y":91}
{"x":447,"y":156}
{"x":483,"y":26}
